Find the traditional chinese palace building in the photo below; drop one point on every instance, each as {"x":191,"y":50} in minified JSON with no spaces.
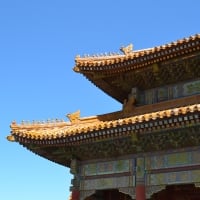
{"x":150,"y":149}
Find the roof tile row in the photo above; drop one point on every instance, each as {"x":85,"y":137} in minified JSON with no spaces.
{"x":182,"y":46}
{"x":53,"y":131}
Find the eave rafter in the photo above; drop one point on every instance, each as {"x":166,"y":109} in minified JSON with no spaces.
{"x":134,"y":143}
{"x":155,"y":75}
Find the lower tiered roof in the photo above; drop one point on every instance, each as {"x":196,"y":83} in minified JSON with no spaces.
{"x":149,"y":128}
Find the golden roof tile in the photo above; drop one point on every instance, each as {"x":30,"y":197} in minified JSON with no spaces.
{"x":56,"y":130}
{"x":169,"y":50}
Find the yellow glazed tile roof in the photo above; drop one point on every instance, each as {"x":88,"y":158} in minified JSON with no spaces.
{"x":133,"y":126}
{"x":139,"y":58}
{"x":117,"y":74}
{"x":60,"y":129}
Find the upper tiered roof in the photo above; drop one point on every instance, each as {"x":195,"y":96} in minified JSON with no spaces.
{"x":116,"y":74}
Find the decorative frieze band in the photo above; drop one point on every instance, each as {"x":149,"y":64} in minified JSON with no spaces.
{"x":109,"y":167}
{"x":108,"y":183}
{"x":189,"y":176}
{"x":171,"y":160}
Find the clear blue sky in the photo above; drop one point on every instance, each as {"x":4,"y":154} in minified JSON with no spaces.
{"x":39,"y":40}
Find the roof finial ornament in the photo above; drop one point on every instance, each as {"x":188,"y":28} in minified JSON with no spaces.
{"x":128,"y":49}
{"x":11,"y":138}
{"x":74,"y":117}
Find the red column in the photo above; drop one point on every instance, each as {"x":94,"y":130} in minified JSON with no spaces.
{"x":140,"y":192}
{"x":75,"y":194}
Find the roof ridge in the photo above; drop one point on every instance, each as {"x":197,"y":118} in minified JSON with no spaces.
{"x":110,"y":55}
{"x":60,"y":132}
{"x":39,"y":124}
{"x":105,"y":118}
